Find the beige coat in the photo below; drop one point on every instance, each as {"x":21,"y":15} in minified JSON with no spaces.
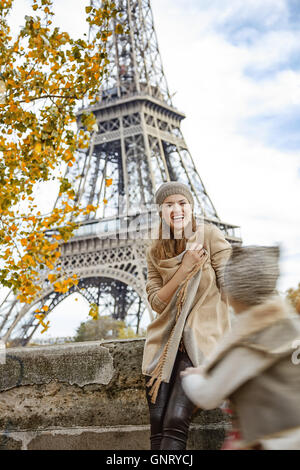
{"x":256,"y":367}
{"x":203,"y":317}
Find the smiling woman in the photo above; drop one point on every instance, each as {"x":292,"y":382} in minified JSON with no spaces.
{"x":184,"y":287}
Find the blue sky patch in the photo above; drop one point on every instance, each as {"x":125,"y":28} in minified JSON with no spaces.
{"x":280,"y":131}
{"x":246,"y":23}
{"x":244,"y":33}
{"x":288,"y":62}
{"x":294,"y":12}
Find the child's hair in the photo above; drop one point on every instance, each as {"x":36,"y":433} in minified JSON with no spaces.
{"x":251,"y":273}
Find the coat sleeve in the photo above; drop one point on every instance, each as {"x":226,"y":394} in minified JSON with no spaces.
{"x":220,"y":251}
{"x":153,"y":285}
{"x":237,"y":367}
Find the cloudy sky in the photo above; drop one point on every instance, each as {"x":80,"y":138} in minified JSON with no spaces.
{"x":234,"y":66}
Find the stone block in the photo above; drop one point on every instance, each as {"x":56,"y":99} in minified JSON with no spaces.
{"x":90,"y":395}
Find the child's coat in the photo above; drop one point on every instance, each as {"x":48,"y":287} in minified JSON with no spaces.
{"x":254,"y":367}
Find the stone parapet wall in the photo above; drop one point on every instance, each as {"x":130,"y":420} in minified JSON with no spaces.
{"x":84,"y":396}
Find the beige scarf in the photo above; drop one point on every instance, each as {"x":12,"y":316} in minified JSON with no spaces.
{"x":197,"y":313}
{"x":157,"y":374}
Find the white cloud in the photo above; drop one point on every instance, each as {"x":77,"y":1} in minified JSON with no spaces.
{"x":266,"y":14}
{"x":69,"y":15}
{"x":261,"y":14}
{"x":251,"y":184}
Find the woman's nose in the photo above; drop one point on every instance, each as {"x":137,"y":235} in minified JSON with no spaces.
{"x":176,"y":208}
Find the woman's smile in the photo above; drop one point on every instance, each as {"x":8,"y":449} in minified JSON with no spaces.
{"x":177,"y":218}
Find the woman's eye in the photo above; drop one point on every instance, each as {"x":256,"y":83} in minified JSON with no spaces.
{"x":170,"y":205}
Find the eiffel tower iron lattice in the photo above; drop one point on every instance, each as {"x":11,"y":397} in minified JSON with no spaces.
{"x":139,"y":145}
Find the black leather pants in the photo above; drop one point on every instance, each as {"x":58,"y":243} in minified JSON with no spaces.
{"x":171,"y":415}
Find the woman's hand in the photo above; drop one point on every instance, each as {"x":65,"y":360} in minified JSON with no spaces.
{"x":192,"y":370}
{"x":194,"y":255}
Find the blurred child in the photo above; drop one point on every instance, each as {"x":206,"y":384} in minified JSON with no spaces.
{"x":253,"y":364}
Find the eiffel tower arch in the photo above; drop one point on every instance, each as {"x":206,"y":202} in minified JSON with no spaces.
{"x":139,"y":145}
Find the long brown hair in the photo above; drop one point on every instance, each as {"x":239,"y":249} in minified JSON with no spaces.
{"x":165,"y":248}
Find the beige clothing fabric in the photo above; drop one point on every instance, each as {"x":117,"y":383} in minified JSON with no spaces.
{"x":253,"y":366}
{"x":200,"y":318}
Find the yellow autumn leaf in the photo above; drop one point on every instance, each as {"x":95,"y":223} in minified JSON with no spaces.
{"x":94,"y":311}
{"x":40,"y":316}
{"x":90,"y":208}
{"x":46,"y":327}
{"x":38,"y":147}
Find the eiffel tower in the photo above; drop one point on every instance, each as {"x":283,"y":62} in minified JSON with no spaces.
{"x":138,"y":145}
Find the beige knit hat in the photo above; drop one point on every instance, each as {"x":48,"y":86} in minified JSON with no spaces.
{"x":251,"y":273}
{"x":173,"y":187}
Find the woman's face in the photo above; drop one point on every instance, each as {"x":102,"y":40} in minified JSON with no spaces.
{"x":176,"y":212}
